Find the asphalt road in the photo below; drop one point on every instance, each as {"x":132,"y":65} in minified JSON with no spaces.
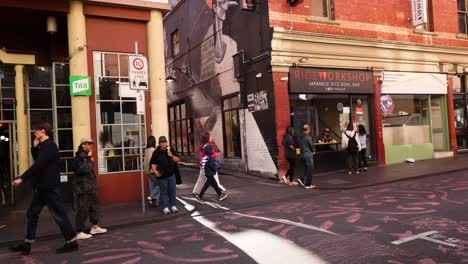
{"x":422,"y":221}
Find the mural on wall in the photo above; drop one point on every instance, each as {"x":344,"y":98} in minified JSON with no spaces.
{"x":211,"y":33}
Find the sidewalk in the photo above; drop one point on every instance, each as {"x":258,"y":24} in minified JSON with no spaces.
{"x":13,"y":222}
{"x":391,"y":173}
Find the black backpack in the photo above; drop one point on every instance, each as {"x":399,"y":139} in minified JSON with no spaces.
{"x":352,"y":144}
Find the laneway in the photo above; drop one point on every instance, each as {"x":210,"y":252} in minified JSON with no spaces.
{"x":420,"y":221}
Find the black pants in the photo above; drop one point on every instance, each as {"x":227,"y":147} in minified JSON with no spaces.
{"x":352,"y":160}
{"x":210,"y":181}
{"x":87,"y":207}
{"x":362,"y":159}
{"x":292,"y":169}
{"x":54,"y":203}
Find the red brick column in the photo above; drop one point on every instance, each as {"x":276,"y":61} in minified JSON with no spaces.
{"x":451,"y":116}
{"x":378,"y":129}
{"x":282,"y":113}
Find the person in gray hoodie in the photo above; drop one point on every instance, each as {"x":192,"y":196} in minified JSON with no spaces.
{"x":307,"y":155}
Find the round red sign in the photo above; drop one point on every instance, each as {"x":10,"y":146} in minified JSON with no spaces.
{"x":138,"y":63}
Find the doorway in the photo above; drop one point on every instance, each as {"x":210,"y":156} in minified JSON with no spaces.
{"x":439,"y":124}
{"x":8,"y":163}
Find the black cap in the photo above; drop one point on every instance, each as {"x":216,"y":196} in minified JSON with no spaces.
{"x":162,"y":139}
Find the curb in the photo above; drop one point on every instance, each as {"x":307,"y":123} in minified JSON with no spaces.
{"x":364,"y":185}
{"x":111,"y":227}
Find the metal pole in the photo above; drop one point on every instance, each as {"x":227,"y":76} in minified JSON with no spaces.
{"x":143,"y":204}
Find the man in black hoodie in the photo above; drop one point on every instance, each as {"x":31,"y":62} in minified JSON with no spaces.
{"x":85,"y":186}
{"x":163,"y":164}
{"x":44,"y":175}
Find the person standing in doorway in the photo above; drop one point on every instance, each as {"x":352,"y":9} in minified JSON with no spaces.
{"x":153,"y":197}
{"x":206,"y":139}
{"x":85,"y":186}
{"x":350,"y":142}
{"x":44,"y":175}
{"x":163,"y":163}
{"x":363,"y":153}
{"x":307,"y":155}
{"x":289,"y":144}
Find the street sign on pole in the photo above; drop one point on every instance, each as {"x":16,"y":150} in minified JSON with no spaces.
{"x":138,"y":72}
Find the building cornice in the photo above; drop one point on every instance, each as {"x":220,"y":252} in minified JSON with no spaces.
{"x":163,"y":6}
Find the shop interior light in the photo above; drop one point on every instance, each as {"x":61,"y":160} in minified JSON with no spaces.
{"x":2,"y":137}
{"x":7,"y":139}
{"x":51,"y":25}
{"x":303,"y":59}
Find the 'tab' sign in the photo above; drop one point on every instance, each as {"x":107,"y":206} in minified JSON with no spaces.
{"x":80,"y":85}
{"x":419,"y":12}
{"x":138,"y":72}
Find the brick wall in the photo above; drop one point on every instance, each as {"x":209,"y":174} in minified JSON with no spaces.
{"x":374,"y":19}
{"x":282,"y":115}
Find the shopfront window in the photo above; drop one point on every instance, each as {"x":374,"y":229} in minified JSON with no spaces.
{"x":118,"y":144}
{"x":7,"y":92}
{"x":405,"y":119}
{"x":181,"y":129}
{"x":231,"y":127}
{"x":460,"y":105}
{"x":331,"y":113}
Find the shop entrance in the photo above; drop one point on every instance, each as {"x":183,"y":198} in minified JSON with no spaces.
{"x":439,"y":124}
{"x":8,"y":162}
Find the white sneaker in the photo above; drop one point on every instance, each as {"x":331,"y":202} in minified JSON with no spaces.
{"x":300,"y":182}
{"x":310,"y":187}
{"x":222,"y":188}
{"x":98,"y":230}
{"x":166,"y":211}
{"x":174,"y":209}
{"x":82,"y":236}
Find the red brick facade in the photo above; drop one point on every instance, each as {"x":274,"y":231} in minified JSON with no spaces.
{"x":388,"y":21}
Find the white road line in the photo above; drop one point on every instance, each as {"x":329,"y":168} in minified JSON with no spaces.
{"x":424,"y":236}
{"x":261,"y":246}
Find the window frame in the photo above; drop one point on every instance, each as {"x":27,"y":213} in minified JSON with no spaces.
{"x":175,"y":43}
{"x":465,"y":14}
{"x":223,"y":111}
{"x":178,"y":121}
{"x":99,"y":64}
{"x":329,"y":15}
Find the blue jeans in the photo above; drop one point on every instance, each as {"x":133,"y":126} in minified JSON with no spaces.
{"x":153,"y":186}
{"x":168,"y":191}
{"x":308,"y":166}
{"x":54,"y":203}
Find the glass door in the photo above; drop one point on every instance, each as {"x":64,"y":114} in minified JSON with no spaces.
{"x":460,"y":122}
{"x":8,"y":163}
{"x":439,"y":127}
{"x":361,"y":115}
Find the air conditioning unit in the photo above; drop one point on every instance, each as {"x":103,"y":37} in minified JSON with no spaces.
{"x":294,"y":3}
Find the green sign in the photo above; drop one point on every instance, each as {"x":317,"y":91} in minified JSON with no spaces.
{"x":80,"y":85}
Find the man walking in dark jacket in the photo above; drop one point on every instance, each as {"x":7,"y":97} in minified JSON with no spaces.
{"x":44,"y":175}
{"x":85,"y":186}
{"x":209,"y":167}
{"x":307,"y":155}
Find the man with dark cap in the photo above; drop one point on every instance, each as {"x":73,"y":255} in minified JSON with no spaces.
{"x":85,"y":187}
{"x":163,"y":164}
{"x":44,"y":175}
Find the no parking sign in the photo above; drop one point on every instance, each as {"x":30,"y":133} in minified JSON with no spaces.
{"x":138,"y":72}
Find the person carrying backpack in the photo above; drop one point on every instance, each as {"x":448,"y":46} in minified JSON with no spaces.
{"x":350,"y":142}
{"x":211,"y":169}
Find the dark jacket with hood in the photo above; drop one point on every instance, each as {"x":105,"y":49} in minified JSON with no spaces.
{"x":288,"y":141}
{"x":44,"y":174}
{"x":208,"y":162}
{"x":164,"y":164}
{"x":85,"y":179}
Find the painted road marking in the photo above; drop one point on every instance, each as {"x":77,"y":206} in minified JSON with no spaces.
{"x":426,"y":236}
{"x":261,"y":246}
